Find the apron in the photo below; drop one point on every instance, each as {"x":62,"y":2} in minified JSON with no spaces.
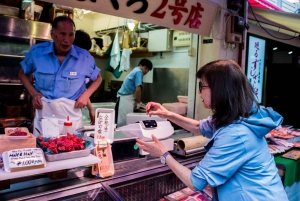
{"x":126,"y":105}
{"x":60,"y":108}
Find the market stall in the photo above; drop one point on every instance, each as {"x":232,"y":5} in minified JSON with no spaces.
{"x":143,"y":177}
{"x":284,"y":145}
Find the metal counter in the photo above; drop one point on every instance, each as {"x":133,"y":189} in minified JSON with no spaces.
{"x":138,"y":179}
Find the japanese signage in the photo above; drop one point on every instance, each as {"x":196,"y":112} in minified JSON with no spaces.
{"x":104,"y":126}
{"x":256,"y":64}
{"x":195,"y":16}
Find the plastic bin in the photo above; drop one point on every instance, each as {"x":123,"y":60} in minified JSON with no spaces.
{"x":179,"y":108}
{"x":37,"y":12}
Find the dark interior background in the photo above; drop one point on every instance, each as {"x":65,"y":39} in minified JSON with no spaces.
{"x":283,"y":81}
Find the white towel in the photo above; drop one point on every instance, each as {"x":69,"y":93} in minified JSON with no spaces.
{"x":115,"y":52}
{"x":125,"y":60}
{"x":106,"y":41}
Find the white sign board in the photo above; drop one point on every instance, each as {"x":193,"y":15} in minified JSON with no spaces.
{"x":104,"y":125}
{"x":195,"y":16}
{"x":256,"y":65}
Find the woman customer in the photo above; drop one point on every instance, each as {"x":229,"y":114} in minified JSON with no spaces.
{"x":238,"y":164}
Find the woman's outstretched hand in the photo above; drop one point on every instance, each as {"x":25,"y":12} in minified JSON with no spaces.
{"x":153,"y":108}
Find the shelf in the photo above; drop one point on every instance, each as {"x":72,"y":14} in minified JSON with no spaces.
{"x":11,"y":84}
{"x":55,"y":12}
{"x":52,"y":166}
{"x":141,"y":54}
{"x":136,"y":53}
{"x":12,"y":56}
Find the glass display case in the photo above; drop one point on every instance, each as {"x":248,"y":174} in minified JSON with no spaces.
{"x":11,"y":54}
{"x":16,"y":38}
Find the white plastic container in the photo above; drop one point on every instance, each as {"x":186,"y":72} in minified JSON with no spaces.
{"x":179,"y":108}
{"x":68,"y":126}
{"x":37,"y":12}
{"x":182,"y":99}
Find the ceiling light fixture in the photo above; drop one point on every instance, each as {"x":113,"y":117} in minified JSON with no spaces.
{"x":131,"y":26}
{"x":86,"y":11}
{"x":274,"y":48}
{"x":290,"y":52}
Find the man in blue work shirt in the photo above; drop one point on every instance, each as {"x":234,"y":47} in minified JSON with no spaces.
{"x":131,"y":91}
{"x":60,"y":70}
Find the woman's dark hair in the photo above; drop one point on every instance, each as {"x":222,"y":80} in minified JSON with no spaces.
{"x":232,"y":95}
{"x":61,"y":19}
{"x":83,"y":40}
{"x":147,"y":63}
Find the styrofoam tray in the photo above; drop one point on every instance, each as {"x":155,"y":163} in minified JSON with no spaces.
{"x":67,"y":155}
{"x":8,"y":130}
{"x":182,"y":99}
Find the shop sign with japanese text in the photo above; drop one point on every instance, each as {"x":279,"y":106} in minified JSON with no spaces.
{"x":256,"y":65}
{"x":195,"y":16}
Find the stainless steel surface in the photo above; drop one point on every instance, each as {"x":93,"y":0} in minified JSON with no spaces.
{"x":61,"y":193}
{"x":121,"y":136}
{"x":187,"y":153}
{"x":9,"y":10}
{"x":21,"y":28}
{"x":82,"y":184}
{"x":194,"y":151}
{"x":67,"y":155}
{"x":137,"y":163}
{"x":179,"y":134}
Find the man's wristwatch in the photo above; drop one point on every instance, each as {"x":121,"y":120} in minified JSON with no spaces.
{"x":163,"y":157}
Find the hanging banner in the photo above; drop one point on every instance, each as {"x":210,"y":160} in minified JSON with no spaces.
{"x":256,"y":65}
{"x":195,"y":16}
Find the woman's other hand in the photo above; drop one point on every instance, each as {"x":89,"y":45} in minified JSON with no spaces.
{"x":155,"y":148}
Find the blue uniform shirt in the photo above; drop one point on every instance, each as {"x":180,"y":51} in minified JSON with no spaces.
{"x":57,"y":81}
{"x":133,"y":80}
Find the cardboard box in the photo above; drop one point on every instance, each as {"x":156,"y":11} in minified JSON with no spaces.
{"x":7,"y":143}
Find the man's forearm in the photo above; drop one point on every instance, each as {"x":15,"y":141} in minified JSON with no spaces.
{"x":94,"y":86}
{"x":138,"y":94}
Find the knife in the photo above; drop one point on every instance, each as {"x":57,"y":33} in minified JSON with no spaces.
{"x":39,"y":131}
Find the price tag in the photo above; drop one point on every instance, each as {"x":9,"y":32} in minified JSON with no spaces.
{"x":19,"y":159}
{"x":102,"y":143}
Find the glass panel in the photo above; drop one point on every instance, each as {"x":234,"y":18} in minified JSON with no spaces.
{"x":9,"y":69}
{"x":38,"y":40}
{"x":13,"y":46}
